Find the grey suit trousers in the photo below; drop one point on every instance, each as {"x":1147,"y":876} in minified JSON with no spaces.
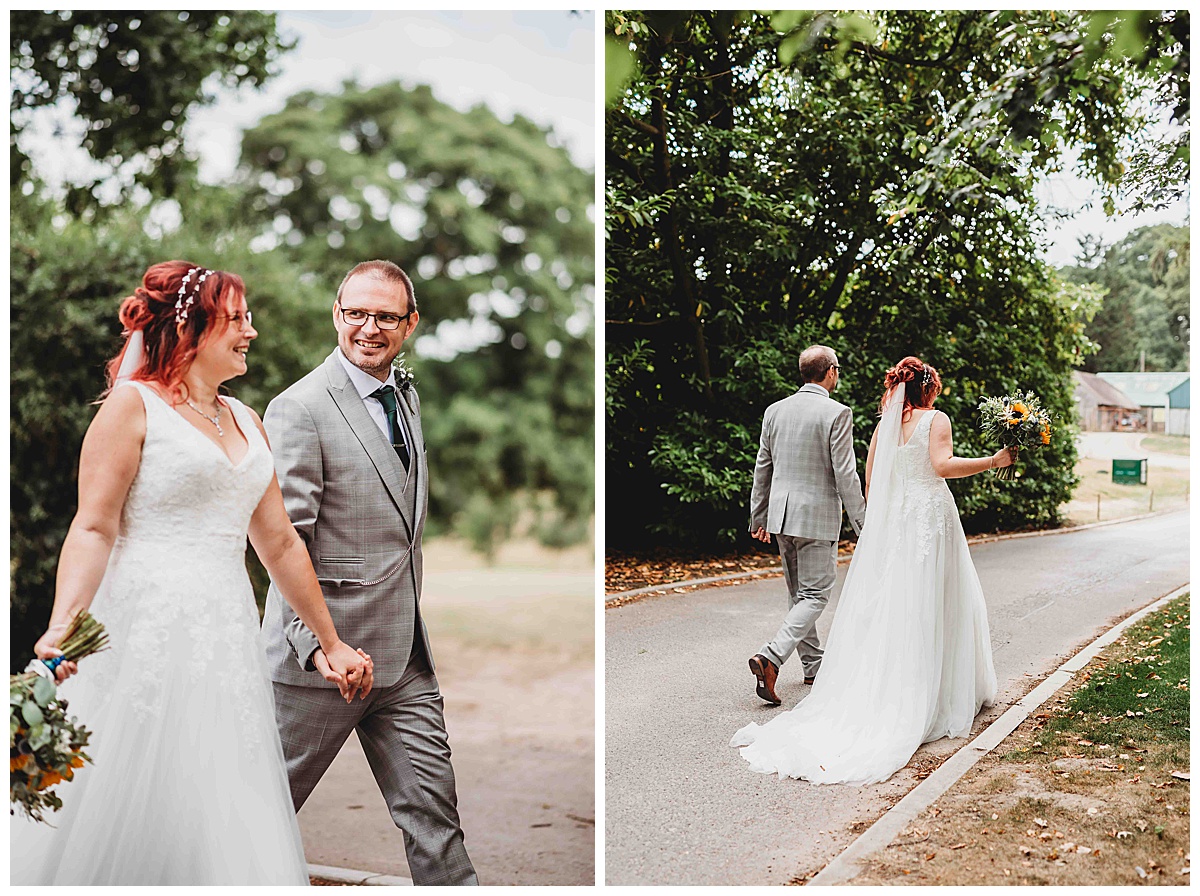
{"x":404,"y":738}
{"x":809,"y":571}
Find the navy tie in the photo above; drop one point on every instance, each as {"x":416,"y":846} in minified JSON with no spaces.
{"x":387,"y":398}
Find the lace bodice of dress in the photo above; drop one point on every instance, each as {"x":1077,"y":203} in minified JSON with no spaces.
{"x":928,"y":503}
{"x":176,"y":588}
{"x":187,"y":492}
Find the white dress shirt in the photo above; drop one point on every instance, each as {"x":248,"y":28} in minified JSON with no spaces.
{"x":365,"y":384}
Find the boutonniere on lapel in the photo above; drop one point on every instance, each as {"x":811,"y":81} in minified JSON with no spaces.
{"x":405,"y":379}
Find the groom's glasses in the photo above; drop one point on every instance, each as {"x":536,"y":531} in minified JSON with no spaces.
{"x":356,"y":317}
{"x":837,"y":367}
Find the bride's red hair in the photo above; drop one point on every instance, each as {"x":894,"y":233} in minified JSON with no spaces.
{"x":171,"y":346}
{"x":921,"y":384}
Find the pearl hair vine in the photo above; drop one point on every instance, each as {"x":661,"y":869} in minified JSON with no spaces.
{"x":182,"y":305}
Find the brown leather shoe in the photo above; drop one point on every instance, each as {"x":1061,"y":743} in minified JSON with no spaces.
{"x":766,"y":672}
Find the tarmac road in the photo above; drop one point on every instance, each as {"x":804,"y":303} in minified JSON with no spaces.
{"x":682,"y":807}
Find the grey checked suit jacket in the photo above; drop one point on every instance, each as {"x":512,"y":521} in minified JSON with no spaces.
{"x":805,"y":471}
{"x":345,"y":491}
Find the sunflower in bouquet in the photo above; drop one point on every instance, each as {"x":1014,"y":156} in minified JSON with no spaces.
{"x":1015,"y":421}
{"x":45,"y":745}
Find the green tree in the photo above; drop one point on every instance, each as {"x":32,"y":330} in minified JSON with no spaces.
{"x":492,"y":220}
{"x":132,"y":78}
{"x":1146,"y":311}
{"x":863,"y":181}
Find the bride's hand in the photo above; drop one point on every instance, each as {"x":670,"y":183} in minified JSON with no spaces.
{"x":47,"y":648}
{"x":1005,"y":457}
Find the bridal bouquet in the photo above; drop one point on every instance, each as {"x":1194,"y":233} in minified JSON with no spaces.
{"x":45,"y":744}
{"x":1015,"y":421}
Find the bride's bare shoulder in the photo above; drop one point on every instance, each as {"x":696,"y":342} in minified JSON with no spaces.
{"x":123,"y":408}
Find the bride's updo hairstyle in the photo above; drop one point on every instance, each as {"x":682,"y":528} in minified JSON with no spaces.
{"x":174,"y":308}
{"x":921,"y":384}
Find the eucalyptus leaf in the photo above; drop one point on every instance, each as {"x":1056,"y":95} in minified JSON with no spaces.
{"x":32,"y":713}
{"x":44,"y":691}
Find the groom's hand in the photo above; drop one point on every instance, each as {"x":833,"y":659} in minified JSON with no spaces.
{"x":359,"y":676}
{"x":322,"y":663}
{"x":761,"y":534}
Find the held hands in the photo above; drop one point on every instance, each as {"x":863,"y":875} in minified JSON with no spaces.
{"x":352,"y":670}
{"x":47,"y":648}
{"x":1005,"y":457}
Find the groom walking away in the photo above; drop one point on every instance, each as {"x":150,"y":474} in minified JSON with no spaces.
{"x":804,"y":474}
{"x":351,"y":462}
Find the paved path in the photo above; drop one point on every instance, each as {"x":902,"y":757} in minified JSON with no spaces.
{"x":1109,"y":445}
{"x":514,"y":650}
{"x":681,"y":807}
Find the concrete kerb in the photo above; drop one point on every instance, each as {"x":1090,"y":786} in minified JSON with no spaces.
{"x":357,"y":878}
{"x":845,"y":558}
{"x":847,"y":864}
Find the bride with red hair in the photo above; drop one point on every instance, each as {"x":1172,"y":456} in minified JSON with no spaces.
{"x":908,"y":658}
{"x":188,"y":783}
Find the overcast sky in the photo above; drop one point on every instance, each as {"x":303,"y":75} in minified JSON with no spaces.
{"x":1071,"y":192}
{"x":539,"y":64}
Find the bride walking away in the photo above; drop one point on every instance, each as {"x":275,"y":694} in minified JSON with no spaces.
{"x":908,"y":659}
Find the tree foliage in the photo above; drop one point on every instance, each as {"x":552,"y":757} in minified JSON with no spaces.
{"x":1146,"y":309}
{"x":862,"y":181}
{"x":493,"y":223}
{"x":131,"y":79}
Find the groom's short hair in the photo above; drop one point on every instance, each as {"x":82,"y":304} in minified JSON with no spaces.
{"x":815,"y":362}
{"x":388,"y":272}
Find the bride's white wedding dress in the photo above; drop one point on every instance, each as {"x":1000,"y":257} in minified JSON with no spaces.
{"x":908,"y":659}
{"x":188,"y":783}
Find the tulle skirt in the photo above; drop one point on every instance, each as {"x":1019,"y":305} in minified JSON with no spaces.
{"x":188,"y":783}
{"x":908,"y":660}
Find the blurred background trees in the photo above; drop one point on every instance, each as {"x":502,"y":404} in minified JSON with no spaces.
{"x":490,"y":218}
{"x":865,"y":181}
{"x":1144,"y":319}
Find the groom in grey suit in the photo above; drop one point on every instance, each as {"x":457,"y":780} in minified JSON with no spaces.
{"x":351,"y":463}
{"x":805,"y":472}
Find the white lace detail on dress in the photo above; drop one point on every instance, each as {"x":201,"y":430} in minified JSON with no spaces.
{"x":177,"y":583}
{"x":929,"y":504}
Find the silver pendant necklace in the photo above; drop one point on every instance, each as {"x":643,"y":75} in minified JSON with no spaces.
{"x":214,"y":419}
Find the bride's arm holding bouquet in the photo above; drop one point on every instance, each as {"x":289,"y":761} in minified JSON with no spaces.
{"x":285,"y":557}
{"x":946,"y":465}
{"x":108,"y":462}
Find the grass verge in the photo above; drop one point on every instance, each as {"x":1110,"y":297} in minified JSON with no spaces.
{"x":1093,"y":790}
{"x":1168,"y":444}
{"x":1165,"y":489}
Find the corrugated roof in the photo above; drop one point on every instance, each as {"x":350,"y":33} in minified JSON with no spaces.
{"x":1105,"y":394}
{"x":1149,"y":390}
